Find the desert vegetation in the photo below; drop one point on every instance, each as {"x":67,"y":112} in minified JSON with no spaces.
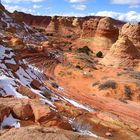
{"x":108,"y":84}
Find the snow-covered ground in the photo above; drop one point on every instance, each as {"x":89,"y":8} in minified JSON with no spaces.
{"x":8,"y":87}
{"x":22,"y":30}
{"x":24,"y":75}
{"x":79,"y":105}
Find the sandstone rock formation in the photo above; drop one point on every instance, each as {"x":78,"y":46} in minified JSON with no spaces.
{"x":89,"y":28}
{"x":106,"y":28}
{"x":32,"y":20}
{"x":101,"y":32}
{"x":122,"y":53}
{"x":42,"y":133}
{"x":73,"y":25}
{"x":133,"y":33}
{"x":125,"y":51}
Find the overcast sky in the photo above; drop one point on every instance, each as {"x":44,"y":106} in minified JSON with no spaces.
{"x":127,"y":10}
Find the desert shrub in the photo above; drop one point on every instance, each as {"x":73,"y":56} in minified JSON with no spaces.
{"x":78,"y":67}
{"x":123,"y":100}
{"x":68,"y":36}
{"x":49,"y":34}
{"x":61,"y":73}
{"x":55,"y":85}
{"x":85,"y":50}
{"x":70,"y":48}
{"x":46,"y":93}
{"x":135,"y":74}
{"x":69,"y":73}
{"x":99,"y":54}
{"x":95,"y":84}
{"x":128,"y":69}
{"x":119,"y":74}
{"x":108,"y":84}
{"x":128,"y":92}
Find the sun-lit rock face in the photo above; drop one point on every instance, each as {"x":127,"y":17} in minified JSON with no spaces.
{"x":133,"y":33}
{"x":122,"y":53}
{"x":101,"y":32}
{"x":102,"y":27}
{"x":126,"y":50}
{"x":32,"y":20}
{"x":106,"y":28}
{"x":42,"y":133}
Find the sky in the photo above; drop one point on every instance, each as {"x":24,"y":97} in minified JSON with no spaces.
{"x":126,"y":10}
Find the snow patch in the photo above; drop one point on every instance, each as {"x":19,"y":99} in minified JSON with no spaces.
{"x":79,"y":105}
{"x":9,"y":86}
{"x":10,"y":121}
{"x":11,"y":61}
{"x":46,"y":101}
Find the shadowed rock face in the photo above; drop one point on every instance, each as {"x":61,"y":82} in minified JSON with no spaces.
{"x":1,"y":7}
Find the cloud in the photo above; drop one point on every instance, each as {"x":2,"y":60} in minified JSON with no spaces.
{"x":22,"y":9}
{"x":77,"y":1}
{"x":71,"y":14}
{"x":81,"y":7}
{"x":17,"y":1}
{"x":131,"y":16}
{"x":37,"y":6}
{"x":128,"y":2}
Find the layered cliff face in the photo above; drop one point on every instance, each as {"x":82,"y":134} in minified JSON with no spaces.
{"x":41,"y":21}
{"x":86,"y":25}
{"x":89,"y":28}
{"x":106,"y":34}
{"x":64,"y":25}
{"x":107,"y":28}
{"x":61,"y":25}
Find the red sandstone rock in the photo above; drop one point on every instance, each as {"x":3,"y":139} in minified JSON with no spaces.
{"x":107,"y":28}
{"x":90,"y":27}
{"x":35,"y":84}
{"x":42,"y":133}
{"x":25,"y":91}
